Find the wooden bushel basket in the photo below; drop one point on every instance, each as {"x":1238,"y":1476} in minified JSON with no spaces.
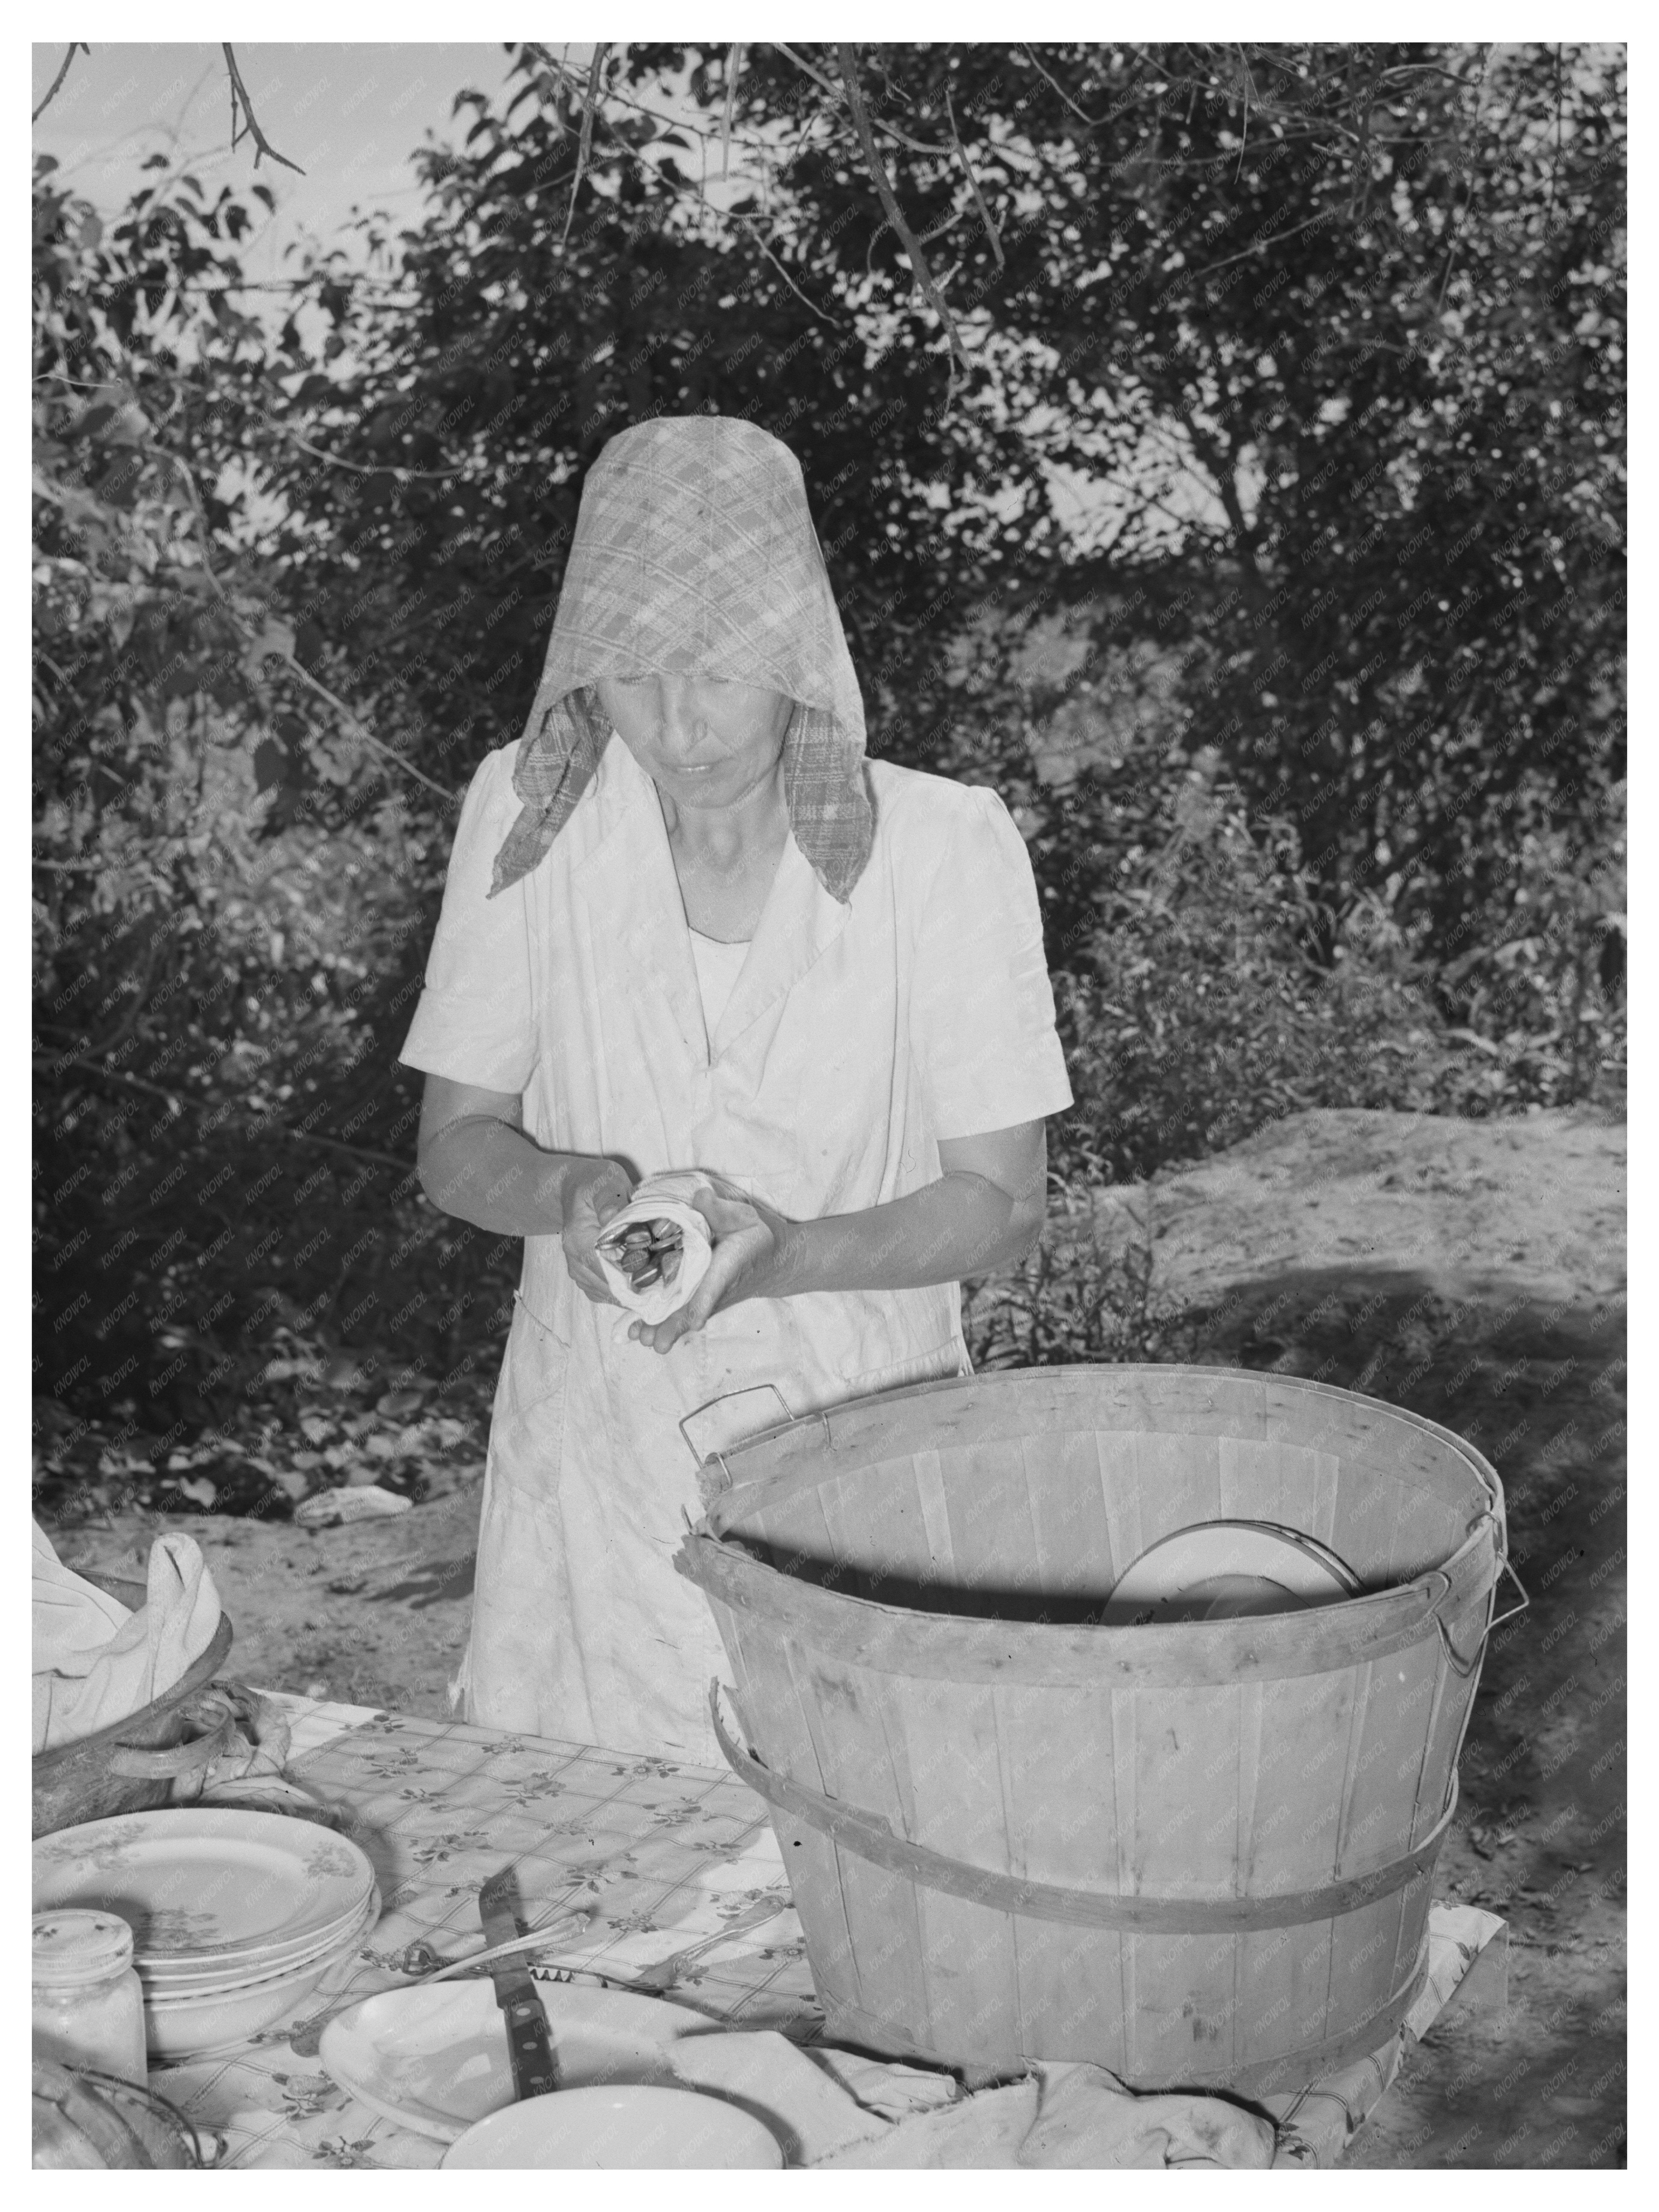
{"x":128,"y":1766}
{"x":1196,"y":1855}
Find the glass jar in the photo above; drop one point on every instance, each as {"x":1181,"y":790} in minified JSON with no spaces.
{"x":88,"y":2002}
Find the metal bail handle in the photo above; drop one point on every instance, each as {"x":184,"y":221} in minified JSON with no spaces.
{"x":134,"y":1763}
{"x":1466,"y":1667}
{"x":708,"y":1406}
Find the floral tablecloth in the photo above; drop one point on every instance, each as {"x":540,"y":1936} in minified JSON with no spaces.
{"x":661,"y":1856}
{"x":666,"y":1859}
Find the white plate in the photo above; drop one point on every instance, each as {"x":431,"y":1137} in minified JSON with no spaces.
{"x":435,"y":2060}
{"x":203,"y":1970}
{"x":168,"y":1993}
{"x":1226,"y":1570}
{"x":647,"y":2129}
{"x":194,"y":1880}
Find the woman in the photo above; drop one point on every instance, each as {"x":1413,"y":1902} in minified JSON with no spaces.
{"x":688,"y":925}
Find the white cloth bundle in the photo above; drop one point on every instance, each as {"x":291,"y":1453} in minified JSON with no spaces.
{"x":666,"y":1197}
{"x":1067,"y":2114}
{"x":93,"y":1662}
{"x":833,"y":2110}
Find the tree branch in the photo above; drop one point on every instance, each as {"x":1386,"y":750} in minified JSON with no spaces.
{"x":734,"y":63}
{"x":363,"y":735}
{"x":249,"y":126}
{"x":918,"y":259}
{"x":360,"y":468}
{"x":688,"y":190}
{"x":53,"y":1062}
{"x":742,"y":223}
{"x":991,"y":231}
{"x":1263,"y":245}
{"x":880,"y":123}
{"x":353,"y":1151}
{"x":1457,"y":225}
{"x":1247,"y":88}
{"x":1030,"y":53}
{"x":52,"y":89}
{"x":178,"y":1100}
{"x":585,"y":143}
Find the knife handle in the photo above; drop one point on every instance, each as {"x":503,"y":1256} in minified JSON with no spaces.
{"x":526,"y":2036}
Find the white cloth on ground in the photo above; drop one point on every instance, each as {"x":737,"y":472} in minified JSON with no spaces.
{"x":93,"y":1661}
{"x":1070,"y":2116}
{"x":830,"y":2109}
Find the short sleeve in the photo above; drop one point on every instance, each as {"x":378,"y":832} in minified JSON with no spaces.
{"x":475,"y":1019}
{"x":982,"y":1008}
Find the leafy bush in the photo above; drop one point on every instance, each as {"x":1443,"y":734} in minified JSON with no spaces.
{"x":1203,"y":1013}
{"x":1085,"y":1292}
{"x":237,"y":1285}
{"x":230,"y":917}
{"x":1539,"y":1000}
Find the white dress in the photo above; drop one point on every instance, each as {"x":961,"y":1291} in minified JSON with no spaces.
{"x":719,"y":964}
{"x":855,"y":1037}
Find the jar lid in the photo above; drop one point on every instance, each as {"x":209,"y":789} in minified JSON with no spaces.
{"x":80,"y":1947}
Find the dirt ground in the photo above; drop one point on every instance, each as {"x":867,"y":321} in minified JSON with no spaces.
{"x":1474,"y":1272}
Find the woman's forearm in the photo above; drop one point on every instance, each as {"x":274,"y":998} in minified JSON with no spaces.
{"x":487,"y":1172}
{"x":963,"y":1225}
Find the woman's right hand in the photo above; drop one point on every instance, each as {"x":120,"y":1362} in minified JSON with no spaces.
{"x":594,"y":1193}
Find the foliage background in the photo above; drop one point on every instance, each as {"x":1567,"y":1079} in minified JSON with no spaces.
{"x":1263,"y":547}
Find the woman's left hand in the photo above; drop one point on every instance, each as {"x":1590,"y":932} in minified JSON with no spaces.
{"x":748,"y":1240}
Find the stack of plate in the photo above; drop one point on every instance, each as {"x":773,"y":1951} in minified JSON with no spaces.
{"x":236,"y":1917}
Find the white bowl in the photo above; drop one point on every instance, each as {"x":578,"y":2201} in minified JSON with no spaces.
{"x":207,"y":2021}
{"x":644,"y":2129}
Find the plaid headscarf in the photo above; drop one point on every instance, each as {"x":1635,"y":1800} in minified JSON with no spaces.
{"x":694,"y":543}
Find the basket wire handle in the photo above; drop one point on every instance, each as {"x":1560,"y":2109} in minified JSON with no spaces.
{"x":133,"y":1764}
{"x":1466,"y":1668}
{"x":708,"y":1406}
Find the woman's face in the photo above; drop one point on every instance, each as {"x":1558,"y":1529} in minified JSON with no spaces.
{"x":705,"y":741}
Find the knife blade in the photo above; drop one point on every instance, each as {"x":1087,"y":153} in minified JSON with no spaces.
{"x":528,"y":2043}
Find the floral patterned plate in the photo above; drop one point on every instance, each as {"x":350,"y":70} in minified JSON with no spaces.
{"x":252,"y":1972}
{"x":178,"y":1973}
{"x":197,"y":1883}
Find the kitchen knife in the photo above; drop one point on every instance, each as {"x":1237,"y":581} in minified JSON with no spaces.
{"x":527,"y":2039}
